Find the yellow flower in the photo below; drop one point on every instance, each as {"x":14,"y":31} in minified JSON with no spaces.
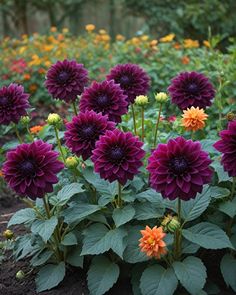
{"x":48,"y":47}
{"x":167,"y":38}
{"x":90,"y":28}
{"x":189,"y":43}
{"x":153,"y":43}
{"x":120,"y":37}
{"x":106,"y":37}
{"x":53,"y":29}
{"x":65,"y":30}
{"x":144,"y":37}
{"x":47,"y":63}
{"x":22,"y":49}
{"x":102,"y":32}
{"x":135,"y":41}
{"x":193,"y":119}
{"x":207,"y":43}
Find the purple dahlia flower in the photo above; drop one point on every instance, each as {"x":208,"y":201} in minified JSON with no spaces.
{"x":84,"y":130}
{"x":191,"y":89}
{"x":105,"y":97}
{"x":118,"y":156}
{"x":31,"y":169}
{"x":227,"y":146}
{"x":66,"y":80}
{"x":132,"y":79}
{"x":179,"y":169}
{"x":13,"y":103}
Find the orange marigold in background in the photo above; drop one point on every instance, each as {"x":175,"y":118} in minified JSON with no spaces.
{"x":207,"y":43}
{"x":152,"y":242}
{"x":53,"y":29}
{"x":193,"y":119}
{"x":33,"y":87}
{"x":36,"y":129}
{"x":167,"y":38}
{"x":120,"y":37}
{"x":185,"y":60}
{"x":27,"y":77}
{"x":90,"y":28}
{"x":189,"y":43}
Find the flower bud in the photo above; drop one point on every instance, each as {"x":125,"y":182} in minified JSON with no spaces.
{"x":141,"y":100}
{"x":54,"y":119}
{"x":230,"y":116}
{"x":20,"y":275}
{"x":72,"y":162}
{"x":170,"y":223}
{"x":8,"y":234}
{"x":25,"y":120}
{"x":161,"y":97}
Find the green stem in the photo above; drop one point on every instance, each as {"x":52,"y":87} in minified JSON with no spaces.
{"x":178,"y":234}
{"x":59,"y":144}
{"x":46,"y":206}
{"x":119,"y":201}
{"x":18,"y":134}
{"x":142,"y":111}
{"x":74,"y":108}
{"x":157,"y":124}
{"x":134,"y":119}
{"x":30,"y":135}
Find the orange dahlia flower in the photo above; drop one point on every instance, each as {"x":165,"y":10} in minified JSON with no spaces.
{"x":36,"y":129}
{"x":152,"y":242}
{"x":193,"y":119}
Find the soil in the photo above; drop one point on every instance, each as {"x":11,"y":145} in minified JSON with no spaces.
{"x":75,"y":281}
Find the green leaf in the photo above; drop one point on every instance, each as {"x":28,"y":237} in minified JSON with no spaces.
{"x":68,"y":191}
{"x":191,"y":273}
{"x":208,"y":236}
{"x":41,"y":258}
{"x":44,"y":228}
{"x":26,"y":215}
{"x":217,"y":192}
{"x":74,"y":258}
{"x":78,"y":212}
{"x":228,"y":269}
{"x":156,"y":280}
{"x":98,"y":239}
{"x":136,"y":274}
{"x":192,"y":209}
{"x":102,"y":275}
{"x":151,"y":196}
{"x":148,"y":210}
{"x":188,"y":247}
{"x":132,"y":253}
{"x":123,"y":215}
{"x":222,"y":175}
{"x":69,"y":239}
{"x":229,"y":208}
{"x":50,"y":276}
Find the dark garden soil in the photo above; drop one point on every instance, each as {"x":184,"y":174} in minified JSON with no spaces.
{"x":75,"y":281}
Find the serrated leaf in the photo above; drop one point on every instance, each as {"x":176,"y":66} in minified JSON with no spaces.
{"x":44,"y":228}
{"x":74,"y":258}
{"x":26,"y":215}
{"x":191,"y":273}
{"x":222,"y":175}
{"x":102,"y":275}
{"x":188,"y":247}
{"x":69,"y":239}
{"x":207,"y":235}
{"x":156,"y":280}
{"x":98,"y":239}
{"x":41,"y":258}
{"x":50,"y":276}
{"x":228,"y":270}
{"x":69,"y":191}
{"x":123,"y":215}
{"x":78,"y":212}
{"x":217,"y":192}
{"x":229,"y":208}
{"x":192,"y":209}
{"x":147,"y":210}
{"x":132,"y":253}
{"x":151,"y":196}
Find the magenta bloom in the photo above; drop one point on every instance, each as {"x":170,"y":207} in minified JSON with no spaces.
{"x":31,"y":169}
{"x":84,"y":130}
{"x":66,"y":80}
{"x":106,"y":98}
{"x":118,"y":156}
{"x":179,"y":169}
{"x":13,"y":103}
{"x":191,"y":89}
{"x":227,"y":146}
{"x":132,"y":79}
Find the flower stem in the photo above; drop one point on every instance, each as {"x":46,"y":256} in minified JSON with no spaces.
{"x":59,"y":144}
{"x":74,"y":108}
{"x":30,"y":135}
{"x":119,"y":201}
{"x":46,"y":206}
{"x":157,"y":124}
{"x":142,"y":111}
{"x":178,"y":234}
{"x":134,"y":119}
{"x":18,"y":134}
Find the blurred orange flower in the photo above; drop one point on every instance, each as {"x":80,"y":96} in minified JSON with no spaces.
{"x":153,"y":43}
{"x":207,"y":43}
{"x":185,"y":60}
{"x":167,"y":38}
{"x":193,"y":119}
{"x":90,"y":27}
{"x":33,"y":87}
{"x":53,"y":29}
{"x":189,"y":43}
{"x":1,"y":173}
{"x":152,"y":242}
{"x":27,"y":77}
{"x":36,"y":129}
{"x":120,"y":37}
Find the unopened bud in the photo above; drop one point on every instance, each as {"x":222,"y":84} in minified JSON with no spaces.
{"x":25,"y":120}
{"x":141,"y":100}
{"x":72,"y":162}
{"x":8,"y":234}
{"x":54,"y":119}
{"x":161,"y":97}
{"x":170,"y":223}
{"x":230,"y":116}
{"x":20,"y":275}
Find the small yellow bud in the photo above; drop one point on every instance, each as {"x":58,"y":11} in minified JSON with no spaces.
{"x":141,"y":100}
{"x":161,"y":97}
{"x":54,"y":119}
{"x":230,"y":116}
{"x":170,"y":223}
{"x":20,"y":275}
{"x":8,"y":234}
{"x":25,"y":120}
{"x":72,"y":162}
